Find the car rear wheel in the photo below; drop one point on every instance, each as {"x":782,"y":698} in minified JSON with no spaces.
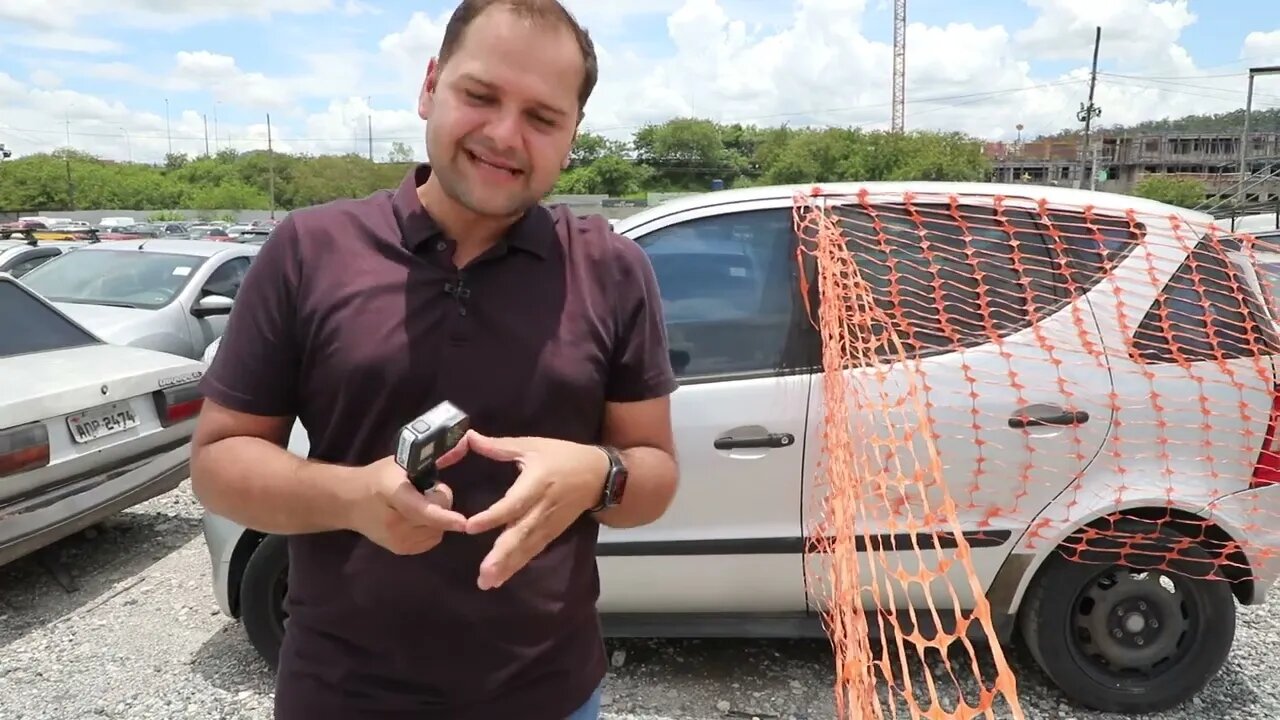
{"x":262,"y":592}
{"x":1130,"y":640}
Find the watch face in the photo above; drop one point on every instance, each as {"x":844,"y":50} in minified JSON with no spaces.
{"x":619,"y":485}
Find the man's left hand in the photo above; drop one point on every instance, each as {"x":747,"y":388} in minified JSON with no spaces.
{"x":558,"y":482}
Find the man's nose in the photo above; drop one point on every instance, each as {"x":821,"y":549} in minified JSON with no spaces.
{"x":504,"y":130}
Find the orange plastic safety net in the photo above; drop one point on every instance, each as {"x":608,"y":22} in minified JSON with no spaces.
{"x":1052,"y":418}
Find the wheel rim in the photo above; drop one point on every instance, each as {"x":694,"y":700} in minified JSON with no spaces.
{"x":1134,"y":626}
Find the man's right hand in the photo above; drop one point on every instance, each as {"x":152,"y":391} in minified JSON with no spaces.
{"x":396,"y":516}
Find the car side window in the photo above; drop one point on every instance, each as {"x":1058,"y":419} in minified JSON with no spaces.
{"x":1206,"y":312}
{"x":226,"y":279}
{"x":25,"y":266}
{"x":1093,"y":243}
{"x":728,"y":289}
{"x":947,"y":279}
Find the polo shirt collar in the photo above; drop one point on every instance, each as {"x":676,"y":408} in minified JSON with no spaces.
{"x":533,"y":232}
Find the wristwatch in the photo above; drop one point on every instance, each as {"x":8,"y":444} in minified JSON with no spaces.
{"x":615,"y":480}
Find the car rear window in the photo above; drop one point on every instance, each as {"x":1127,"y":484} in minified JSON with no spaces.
{"x":29,"y":326}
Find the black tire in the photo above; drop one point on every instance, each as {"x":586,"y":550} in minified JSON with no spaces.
{"x":1192,"y":634}
{"x":262,"y":591}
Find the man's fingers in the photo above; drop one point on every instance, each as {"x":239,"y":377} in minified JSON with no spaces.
{"x":506,"y":510}
{"x":433,"y":509}
{"x":501,"y":449}
{"x":513,"y":549}
{"x":458,"y":452}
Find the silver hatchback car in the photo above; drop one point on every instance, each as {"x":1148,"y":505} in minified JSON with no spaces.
{"x":1034,"y":465}
{"x":173,"y":296}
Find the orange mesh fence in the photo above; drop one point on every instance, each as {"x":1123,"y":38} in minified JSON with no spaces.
{"x":1082,"y":393}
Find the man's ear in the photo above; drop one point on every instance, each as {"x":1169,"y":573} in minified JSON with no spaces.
{"x":568,"y":157}
{"x":426,"y":97}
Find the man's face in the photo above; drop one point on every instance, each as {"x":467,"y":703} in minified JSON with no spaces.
{"x":502,"y":112}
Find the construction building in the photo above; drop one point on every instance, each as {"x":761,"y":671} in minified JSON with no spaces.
{"x":1122,"y":161}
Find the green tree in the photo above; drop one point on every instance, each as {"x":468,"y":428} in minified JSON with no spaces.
{"x":1183,"y":192}
{"x":400,"y":153}
{"x":683,"y":154}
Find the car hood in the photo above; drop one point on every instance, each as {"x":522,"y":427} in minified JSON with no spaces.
{"x":113,"y":324}
{"x":40,"y":385}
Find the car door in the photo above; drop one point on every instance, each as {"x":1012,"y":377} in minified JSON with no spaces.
{"x":223,"y":280}
{"x":731,"y":540}
{"x":982,"y":353}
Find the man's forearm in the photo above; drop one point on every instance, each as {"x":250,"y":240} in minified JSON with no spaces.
{"x":267,"y":488}
{"x":652,"y":477}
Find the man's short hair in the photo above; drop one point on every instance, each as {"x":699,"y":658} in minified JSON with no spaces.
{"x":548,"y":11}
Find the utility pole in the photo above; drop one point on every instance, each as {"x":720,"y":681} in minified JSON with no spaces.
{"x":66,"y":159}
{"x":370,"y":136}
{"x":206,"y":133}
{"x":215,"y":125}
{"x":1089,"y":112}
{"x":271,"y":169}
{"x":168,"y":129}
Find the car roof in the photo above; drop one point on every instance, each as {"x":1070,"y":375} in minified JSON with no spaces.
{"x":1054,"y":195}
{"x":195,"y":248}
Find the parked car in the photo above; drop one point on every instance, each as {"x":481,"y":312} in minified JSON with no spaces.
{"x":18,"y":257}
{"x":728,"y":558}
{"x":254,"y":235}
{"x":87,"y":429}
{"x":168,"y":295}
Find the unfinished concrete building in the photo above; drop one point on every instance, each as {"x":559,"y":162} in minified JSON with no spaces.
{"x":1124,"y":160}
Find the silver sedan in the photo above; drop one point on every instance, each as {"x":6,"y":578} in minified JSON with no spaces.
{"x":168,"y":295}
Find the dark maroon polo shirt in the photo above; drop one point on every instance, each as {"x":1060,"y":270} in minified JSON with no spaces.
{"x":354,"y":319}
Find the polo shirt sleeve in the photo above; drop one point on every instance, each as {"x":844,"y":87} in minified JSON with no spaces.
{"x":640,"y":368}
{"x":256,"y":367}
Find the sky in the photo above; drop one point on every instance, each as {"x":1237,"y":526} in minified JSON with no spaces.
{"x":130,"y":79}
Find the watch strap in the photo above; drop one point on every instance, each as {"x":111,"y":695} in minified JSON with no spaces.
{"x":615,"y":475}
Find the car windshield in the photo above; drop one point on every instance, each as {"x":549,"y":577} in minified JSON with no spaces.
{"x":28,"y":325}
{"x":124,"y":278}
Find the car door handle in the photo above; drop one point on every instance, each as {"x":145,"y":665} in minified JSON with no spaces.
{"x":772,"y":440}
{"x":1040,"y":415}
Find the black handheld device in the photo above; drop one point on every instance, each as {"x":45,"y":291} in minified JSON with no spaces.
{"x":426,"y":438}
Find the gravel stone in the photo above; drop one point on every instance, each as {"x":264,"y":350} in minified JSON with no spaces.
{"x":141,"y":637}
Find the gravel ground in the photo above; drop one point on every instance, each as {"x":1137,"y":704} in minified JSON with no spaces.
{"x":141,"y":637}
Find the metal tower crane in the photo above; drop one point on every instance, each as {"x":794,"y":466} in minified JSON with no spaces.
{"x":899,"y":63}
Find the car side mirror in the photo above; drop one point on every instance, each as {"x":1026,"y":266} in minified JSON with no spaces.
{"x":210,"y":305}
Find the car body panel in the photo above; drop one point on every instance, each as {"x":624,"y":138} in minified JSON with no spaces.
{"x":109,"y":465}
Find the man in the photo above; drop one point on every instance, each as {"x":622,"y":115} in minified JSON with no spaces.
{"x":477,"y":599}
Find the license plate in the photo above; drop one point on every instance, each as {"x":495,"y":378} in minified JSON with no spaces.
{"x":99,"y":422}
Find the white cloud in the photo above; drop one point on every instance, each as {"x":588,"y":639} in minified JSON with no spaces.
{"x":761,"y":61}
{"x":67,"y":14}
{"x":67,"y":42}
{"x":1262,"y":48}
{"x":45,"y":79}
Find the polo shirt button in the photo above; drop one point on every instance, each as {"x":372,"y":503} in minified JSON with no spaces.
{"x":441,"y":246}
